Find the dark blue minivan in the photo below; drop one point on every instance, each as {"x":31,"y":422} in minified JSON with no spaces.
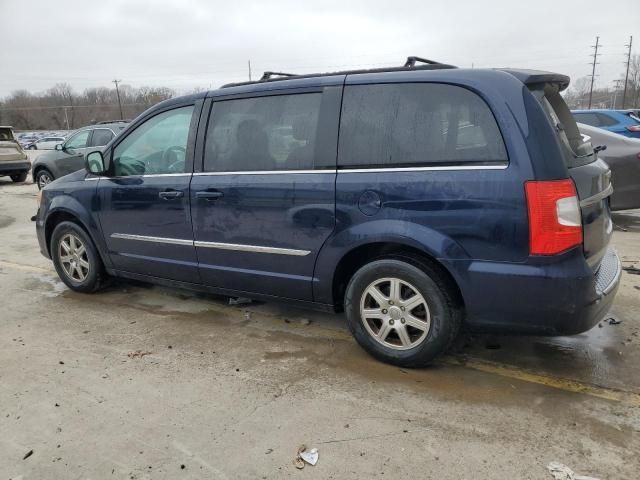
{"x":415,"y":199}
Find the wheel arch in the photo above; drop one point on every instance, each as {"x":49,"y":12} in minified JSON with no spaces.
{"x":359,"y":256}
{"x":65,"y":211}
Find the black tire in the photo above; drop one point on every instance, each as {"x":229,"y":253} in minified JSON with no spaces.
{"x":40,"y":175}
{"x":444,"y":312}
{"x":19,"y":177}
{"x":32,"y":147}
{"x":95,"y":276}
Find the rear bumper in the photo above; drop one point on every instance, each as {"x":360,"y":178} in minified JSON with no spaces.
{"x":14,"y":166}
{"x":562,"y":297}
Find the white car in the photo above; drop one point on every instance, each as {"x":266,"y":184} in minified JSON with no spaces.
{"x":46,"y":143}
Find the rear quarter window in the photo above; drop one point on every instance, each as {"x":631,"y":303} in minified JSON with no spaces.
{"x":416,"y":124}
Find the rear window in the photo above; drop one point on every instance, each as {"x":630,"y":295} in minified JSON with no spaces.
{"x":414,"y":124}
{"x":587,"y":118}
{"x":576,"y":151}
{"x":6,"y":134}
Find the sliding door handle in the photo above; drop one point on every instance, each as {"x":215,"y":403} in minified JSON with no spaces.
{"x":209,"y":195}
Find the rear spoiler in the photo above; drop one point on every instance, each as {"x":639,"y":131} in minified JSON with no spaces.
{"x":537,"y":77}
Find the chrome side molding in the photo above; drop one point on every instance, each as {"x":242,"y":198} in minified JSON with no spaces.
{"x":221,"y":246}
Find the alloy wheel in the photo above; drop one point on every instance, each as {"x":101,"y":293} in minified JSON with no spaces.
{"x":395,"y":313}
{"x":73,"y":257}
{"x":43,"y":180}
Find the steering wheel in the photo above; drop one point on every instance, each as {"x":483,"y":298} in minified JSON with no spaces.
{"x":173,"y":151}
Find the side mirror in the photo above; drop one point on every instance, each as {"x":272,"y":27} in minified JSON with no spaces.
{"x":95,"y":163}
{"x":58,"y":146}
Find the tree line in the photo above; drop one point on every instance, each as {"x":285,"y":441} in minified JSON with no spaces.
{"x":60,"y":108}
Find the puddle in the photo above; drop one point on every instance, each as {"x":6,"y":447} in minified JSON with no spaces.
{"x":595,"y":357}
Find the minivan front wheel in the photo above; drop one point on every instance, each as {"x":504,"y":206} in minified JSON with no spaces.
{"x":401,"y":313}
{"x":76,"y":259}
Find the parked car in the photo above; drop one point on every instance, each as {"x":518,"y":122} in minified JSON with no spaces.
{"x":68,"y":156}
{"x":434,"y":196}
{"x":613,"y":120}
{"x":622,"y":154}
{"x":46,"y":143}
{"x":27,"y":140}
{"x":633,"y":113}
{"x":14,"y":162}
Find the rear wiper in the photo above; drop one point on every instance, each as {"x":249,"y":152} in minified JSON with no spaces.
{"x":599,"y":148}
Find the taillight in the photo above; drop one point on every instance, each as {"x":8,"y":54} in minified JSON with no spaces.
{"x":554,"y":216}
{"x":633,"y":128}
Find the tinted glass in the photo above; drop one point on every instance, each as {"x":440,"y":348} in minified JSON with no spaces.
{"x":263,"y":133}
{"x":79,"y":140}
{"x":399,"y":125}
{"x":158,"y":146}
{"x":587,"y":118}
{"x":101,"y":136}
{"x":606,"y":120}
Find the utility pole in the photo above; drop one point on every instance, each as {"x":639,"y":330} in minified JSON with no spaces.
{"x":593,"y":69}
{"x":66,"y":117}
{"x":249,"y":62}
{"x":118,"y":94}
{"x":616,"y":87}
{"x":626,"y":76}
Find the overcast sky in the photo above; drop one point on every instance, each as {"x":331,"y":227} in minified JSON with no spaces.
{"x":185,"y":44}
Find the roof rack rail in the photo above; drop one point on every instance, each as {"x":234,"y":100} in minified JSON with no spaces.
{"x":410,"y":64}
{"x":269,"y":75}
{"x":411,"y":61}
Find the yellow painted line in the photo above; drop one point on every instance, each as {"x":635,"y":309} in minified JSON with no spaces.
{"x":27,"y":268}
{"x":612,"y":394}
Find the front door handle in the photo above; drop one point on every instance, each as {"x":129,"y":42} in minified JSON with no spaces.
{"x":171,"y":195}
{"x":209,"y":196}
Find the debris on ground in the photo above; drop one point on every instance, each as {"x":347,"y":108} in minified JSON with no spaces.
{"x":28,"y":454}
{"x":247,"y":315}
{"x":137,"y":354}
{"x":562,"y":472}
{"x":613,"y":321}
{"x":632,"y":270}
{"x":239,"y":301}
{"x":306,"y":456}
{"x":305,"y":321}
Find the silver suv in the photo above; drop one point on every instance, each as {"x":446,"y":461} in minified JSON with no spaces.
{"x":68,"y":157}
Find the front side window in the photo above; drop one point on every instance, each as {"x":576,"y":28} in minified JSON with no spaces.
{"x":79,"y":140}
{"x":158,"y":146}
{"x":100,"y":137}
{"x":263,"y":133}
{"x":404,"y":125}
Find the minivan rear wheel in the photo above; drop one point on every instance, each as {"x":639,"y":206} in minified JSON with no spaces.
{"x":401,"y":313}
{"x":76,"y":259}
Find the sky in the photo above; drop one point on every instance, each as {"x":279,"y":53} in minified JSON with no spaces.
{"x":188,"y":44}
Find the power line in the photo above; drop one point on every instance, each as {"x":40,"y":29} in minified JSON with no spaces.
{"x":593,"y":69}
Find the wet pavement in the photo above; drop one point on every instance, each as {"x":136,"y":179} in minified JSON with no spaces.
{"x":232,"y":391}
